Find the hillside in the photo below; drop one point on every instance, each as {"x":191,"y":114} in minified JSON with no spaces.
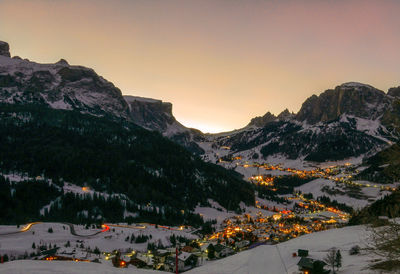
{"x":270,"y":258}
{"x":388,"y":206}
{"x":69,"y":125}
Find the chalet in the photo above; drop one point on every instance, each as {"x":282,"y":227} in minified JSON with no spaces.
{"x":148,"y":259}
{"x":186,"y":261}
{"x":138,"y":263}
{"x":223,"y":251}
{"x":204,"y":247}
{"x":61,"y":258}
{"x":309,"y":266}
{"x":242,"y":244}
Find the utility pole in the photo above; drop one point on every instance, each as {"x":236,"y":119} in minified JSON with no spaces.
{"x":176,"y":260}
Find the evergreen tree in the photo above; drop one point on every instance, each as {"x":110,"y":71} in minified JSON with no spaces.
{"x":211,"y":252}
{"x":338,"y":260}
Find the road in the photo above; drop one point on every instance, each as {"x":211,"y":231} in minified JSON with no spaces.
{"x":24,"y":229}
{"x":73,"y":232}
{"x":27,"y":227}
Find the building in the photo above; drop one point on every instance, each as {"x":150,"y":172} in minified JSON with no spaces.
{"x":223,"y":251}
{"x":311,"y":266}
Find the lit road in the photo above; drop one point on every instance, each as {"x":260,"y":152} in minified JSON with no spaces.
{"x":28,"y":227}
{"x":128,"y":226}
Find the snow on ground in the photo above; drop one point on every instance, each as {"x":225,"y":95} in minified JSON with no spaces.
{"x":209,"y":213}
{"x":279,"y":259}
{"x":15,"y":177}
{"x":369,"y":194}
{"x":217,"y":212}
{"x":315,"y":187}
{"x":17,"y":244}
{"x":247,"y":172}
{"x":263,"y":259}
{"x":354,"y":161}
{"x":60,"y":267}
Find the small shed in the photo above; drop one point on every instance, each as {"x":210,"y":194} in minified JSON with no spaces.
{"x":302,"y":252}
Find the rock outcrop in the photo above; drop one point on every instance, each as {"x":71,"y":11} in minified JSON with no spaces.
{"x":355,"y":99}
{"x":4,"y":49}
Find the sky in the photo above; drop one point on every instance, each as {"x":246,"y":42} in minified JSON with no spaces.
{"x":220,"y":62}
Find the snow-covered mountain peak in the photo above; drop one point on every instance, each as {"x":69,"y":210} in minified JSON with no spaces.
{"x":59,"y":86}
{"x":355,"y":85}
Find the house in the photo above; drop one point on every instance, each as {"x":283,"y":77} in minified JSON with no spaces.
{"x":137,"y":262}
{"x":302,"y":252}
{"x":148,"y":259}
{"x":204,"y":247}
{"x":186,"y":261}
{"x":242,"y":244}
{"x":223,"y":251}
{"x":311,"y":266}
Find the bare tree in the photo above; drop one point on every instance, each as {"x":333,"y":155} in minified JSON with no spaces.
{"x":385,"y":241}
{"x":330,"y":258}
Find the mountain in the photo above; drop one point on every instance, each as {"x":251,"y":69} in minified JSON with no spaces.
{"x":383,"y":166}
{"x":353,"y":99}
{"x":261,"y":121}
{"x":351,"y":120}
{"x":68,"y":124}
{"x":59,"y":86}
{"x":157,"y":115}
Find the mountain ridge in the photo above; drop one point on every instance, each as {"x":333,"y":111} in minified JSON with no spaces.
{"x":347,"y":121}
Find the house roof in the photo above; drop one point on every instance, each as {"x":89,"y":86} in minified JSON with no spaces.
{"x":306,"y":262}
{"x":187,"y":249}
{"x":220,"y":247}
{"x":309,"y":263}
{"x":184,"y":256}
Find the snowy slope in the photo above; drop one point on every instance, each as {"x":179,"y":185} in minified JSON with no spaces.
{"x":270,"y":259}
{"x":59,"y":267}
{"x":274,"y":259}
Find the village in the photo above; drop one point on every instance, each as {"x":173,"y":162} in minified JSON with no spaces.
{"x":179,"y":249}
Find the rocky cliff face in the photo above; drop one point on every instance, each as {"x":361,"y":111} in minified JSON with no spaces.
{"x":395,"y":92}
{"x":261,"y":121}
{"x":4,"y":49}
{"x":149,"y":113}
{"x":157,"y":115}
{"x":355,"y":99}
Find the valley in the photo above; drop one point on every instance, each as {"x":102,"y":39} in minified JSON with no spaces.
{"x":91,"y":176}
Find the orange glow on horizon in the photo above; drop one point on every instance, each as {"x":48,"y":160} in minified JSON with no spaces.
{"x":220,"y":63}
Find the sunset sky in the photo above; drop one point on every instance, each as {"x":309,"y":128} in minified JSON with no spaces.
{"x":220,"y":63}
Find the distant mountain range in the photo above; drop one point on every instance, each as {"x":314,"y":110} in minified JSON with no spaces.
{"x":351,"y":120}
